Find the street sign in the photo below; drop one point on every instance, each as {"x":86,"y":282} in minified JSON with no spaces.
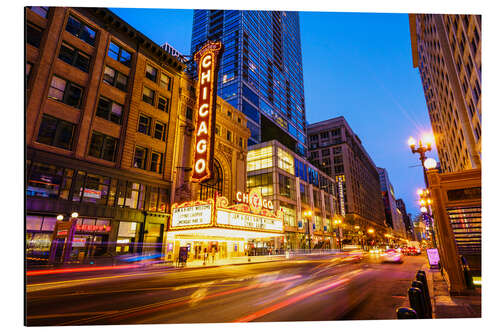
{"x":433,"y":257}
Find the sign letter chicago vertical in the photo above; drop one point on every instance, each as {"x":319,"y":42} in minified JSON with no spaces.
{"x":207,"y":59}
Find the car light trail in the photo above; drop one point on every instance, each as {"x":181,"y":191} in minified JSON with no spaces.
{"x":155,"y":308}
{"x":74,"y":270}
{"x":288,"y":302}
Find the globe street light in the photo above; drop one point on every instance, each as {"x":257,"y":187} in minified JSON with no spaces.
{"x":424,"y":145}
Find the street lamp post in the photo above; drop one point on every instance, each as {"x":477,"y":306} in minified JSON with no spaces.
{"x":337,"y":222}
{"x":306,"y":215}
{"x":370,"y":231}
{"x":421,"y":150}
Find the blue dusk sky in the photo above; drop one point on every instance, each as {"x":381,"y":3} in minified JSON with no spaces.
{"x":355,"y":65}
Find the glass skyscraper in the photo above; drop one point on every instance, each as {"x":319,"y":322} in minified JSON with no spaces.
{"x":261,"y":70}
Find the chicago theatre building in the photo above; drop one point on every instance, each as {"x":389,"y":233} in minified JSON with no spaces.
{"x":212,"y":211}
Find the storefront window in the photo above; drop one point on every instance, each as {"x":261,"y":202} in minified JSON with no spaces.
{"x":96,"y":189}
{"x":285,"y":161}
{"x":260,"y":158}
{"x":288,"y":215}
{"x":49,"y":223}
{"x":34,"y":222}
{"x":39,"y":231}
{"x":44,"y":180}
{"x":66,"y":184}
{"x":78,"y":186}
{"x":134,"y":196}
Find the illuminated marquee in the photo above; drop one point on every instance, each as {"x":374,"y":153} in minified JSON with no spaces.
{"x":208,"y":65}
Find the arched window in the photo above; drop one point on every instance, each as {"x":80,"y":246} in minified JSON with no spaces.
{"x":208,"y":187}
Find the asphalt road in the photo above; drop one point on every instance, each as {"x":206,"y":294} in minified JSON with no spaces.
{"x":324,"y":287}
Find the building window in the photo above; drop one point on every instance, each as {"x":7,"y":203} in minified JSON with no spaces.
{"x":34,"y":35}
{"x":263,"y":182}
{"x":160,"y":130}
{"x":240,"y":142}
{"x":285,"y":161}
{"x":285,"y":186}
{"x":148,"y":95}
{"x":56,"y":132}
{"x":109,"y":110}
{"x":229,"y":135}
{"x":131,"y":195}
{"x":151,"y":73}
{"x":49,"y":181}
{"x":103,"y":146}
{"x":260,"y":158}
{"x":74,"y":57}
{"x":115,"y":78}
{"x":324,"y":135}
{"x":96,"y":189}
{"x":165,"y":81}
{"x":156,"y":162}
{"x":325,"y":152}
{"x":140,"y":156}
{"x":144,"y":124}
{"x":217,"y":130}
{"x":189,"y":113}
{"x":42,"y":11}
{"x":80,"y":30}
{"x":65,"y":91}
{"x":304,"y":198}
{"x":162,"y":103}
{"x":119,"y":54}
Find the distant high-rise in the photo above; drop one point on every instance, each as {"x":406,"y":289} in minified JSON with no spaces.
{"x":447,"y":51}
{"x":336,"y":150}
{"x":406,"y":218}
{"x":261,"y":70}
{"x":393,"y":215}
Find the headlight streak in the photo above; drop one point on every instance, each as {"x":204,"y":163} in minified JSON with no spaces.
{"x":76,"y":270}
{"x":147,"y":309}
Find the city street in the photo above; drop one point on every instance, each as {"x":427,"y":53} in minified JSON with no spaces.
{"x":318,"y":287}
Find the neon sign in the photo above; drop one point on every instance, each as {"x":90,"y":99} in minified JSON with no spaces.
{"x":208,"y":65}
{"x":254,"y":200}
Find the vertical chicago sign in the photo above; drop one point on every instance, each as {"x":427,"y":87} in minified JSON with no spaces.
{"x":207,"y":59}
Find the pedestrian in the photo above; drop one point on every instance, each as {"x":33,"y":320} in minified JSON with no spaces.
{"x":213,"y":254}
{"x":205,"y":256}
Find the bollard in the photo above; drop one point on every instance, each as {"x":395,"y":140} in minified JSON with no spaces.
{"x":427,"y":309}
{"x":417,"y":302}
{"x":421,"y":276}
{"x":406,"y":313}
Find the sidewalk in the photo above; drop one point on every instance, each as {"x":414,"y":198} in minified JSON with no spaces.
{"x":446,"y":306}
